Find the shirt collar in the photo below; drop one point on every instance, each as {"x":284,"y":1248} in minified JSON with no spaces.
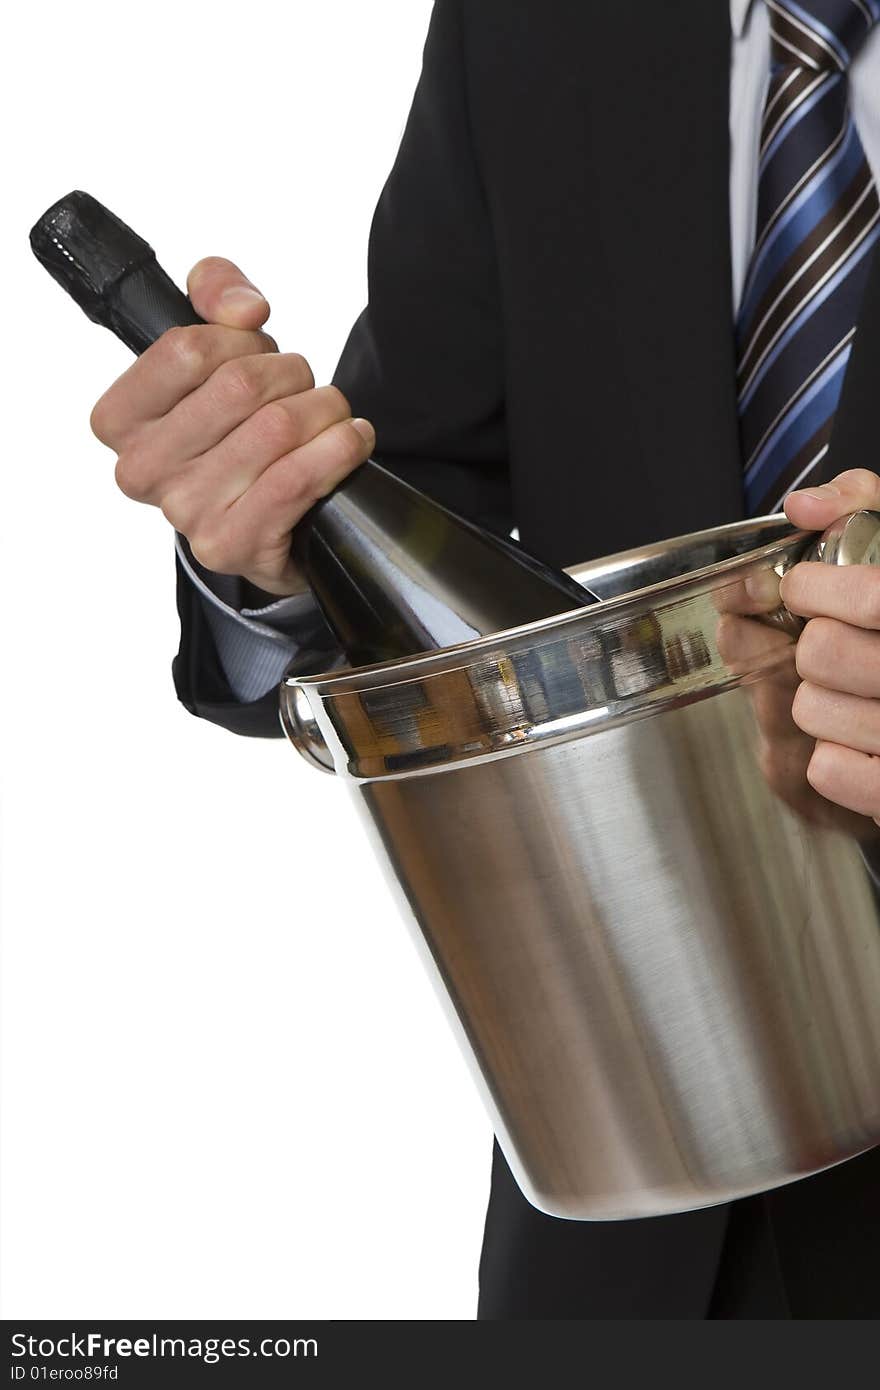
{"x":739,"y":13}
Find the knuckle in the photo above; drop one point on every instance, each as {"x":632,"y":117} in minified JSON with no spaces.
{"x":791,"y":587}
{"x":286,"y":483}
{"x":186,"y":348}
{"x":804,"y":656}
{"x":131,"y":476}
{"x":311,"y":479}
{"x":179,"y":507}
{"x":861,"y":479}
{"x":305,"y":477}
{"x":339,"y":402}
{"x":800,"y":704}
{"x":302,"y":372}
{"x":819,"y":768}
{"x":123,"y":477}
{"x":347,"y":450}
{"x":276,"y":427}
{"x":240,"y":379}
{"x":356,"y":447}
{"x":219,"y":540}
{"x":809,"y":708}
{"x":210,"y":547}
{"x":812,"y":647}
{"x":100,"y":420}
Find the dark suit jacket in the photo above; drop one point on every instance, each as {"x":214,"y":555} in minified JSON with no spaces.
{"x":549,"y":335}
{"x":549,"y":341}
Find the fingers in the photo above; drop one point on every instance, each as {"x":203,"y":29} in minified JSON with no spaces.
{"x":252,"y":535}
{"x":227,"y":435}
{"x":838,"y":717}
{"x":849,"y":777}
{"x":178,"y":362}
{"x":744,"y":644}
{"x":183,"y":358}
{"x":232,"y":394}
{"x":850,"y":593}
{"x":838,"y":656}
{"x":286,"y":490}
{"x":222,"y":293}
{"x":816,"y":508}
{"x":837,"y":705}
{"x":252,"y":529}
{"x":218,"y":478}
{"x":785,"y":765}
{"x":757,"y":593}
{"x":790,"y":716}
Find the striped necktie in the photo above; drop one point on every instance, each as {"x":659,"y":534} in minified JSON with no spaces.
{"x":818,"y":219}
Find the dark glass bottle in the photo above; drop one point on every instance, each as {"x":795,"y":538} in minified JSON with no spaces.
{"x":395,"y":573}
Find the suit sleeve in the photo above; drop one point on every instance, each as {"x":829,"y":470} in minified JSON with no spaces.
{"x":424,"y":363}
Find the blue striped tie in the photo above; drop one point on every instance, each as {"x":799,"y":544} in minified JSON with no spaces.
{"x":818,"y":220}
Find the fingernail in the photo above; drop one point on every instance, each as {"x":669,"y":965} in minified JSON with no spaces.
{"x":241,"y":297}
{"x":822,"y":493}
{"x":366,"y":431}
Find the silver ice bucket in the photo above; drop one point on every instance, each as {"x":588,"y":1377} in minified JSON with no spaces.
{"x":660,"y":947}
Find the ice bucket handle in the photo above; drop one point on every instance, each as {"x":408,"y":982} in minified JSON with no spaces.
{"x":851,"y":540}
{"x":301,"y":728}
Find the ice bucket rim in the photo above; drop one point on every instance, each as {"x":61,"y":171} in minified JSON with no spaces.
{"x":445,"y":709}
{"x":785,"y":547}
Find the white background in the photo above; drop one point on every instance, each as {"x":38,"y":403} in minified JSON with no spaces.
{"x":229,"y":1090}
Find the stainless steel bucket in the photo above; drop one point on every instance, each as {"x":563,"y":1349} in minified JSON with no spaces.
{"x":660,"y":947}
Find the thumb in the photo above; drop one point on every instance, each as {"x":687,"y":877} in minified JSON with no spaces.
{"x":222,"y":293}
{"x":814,"y":508}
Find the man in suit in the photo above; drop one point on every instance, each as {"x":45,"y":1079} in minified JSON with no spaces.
{"x":622,"y":285}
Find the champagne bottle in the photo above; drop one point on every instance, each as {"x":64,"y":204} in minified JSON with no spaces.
{"x":394,"y":572}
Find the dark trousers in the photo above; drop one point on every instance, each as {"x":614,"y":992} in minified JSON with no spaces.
{"x":808,"y":1250}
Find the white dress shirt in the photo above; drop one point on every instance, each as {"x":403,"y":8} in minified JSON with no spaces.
{"x":255,"y":645}
{"x":749,"y":76}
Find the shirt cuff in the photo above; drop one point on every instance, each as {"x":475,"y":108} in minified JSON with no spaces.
{"x":257,"y":645}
